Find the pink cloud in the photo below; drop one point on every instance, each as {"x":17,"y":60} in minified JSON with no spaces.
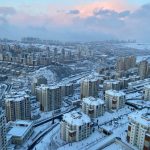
{"x":117,"y":5}
{"x":50,"y":15}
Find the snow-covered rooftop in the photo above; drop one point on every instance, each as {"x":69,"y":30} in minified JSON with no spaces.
{"x":20,"y":128}
{"x":115,"y":93}
{"x":147,"y":86}
{"x":44,"y":87}
{"x":16,"y":96}
{"x":93,"y":101}
{"x":111,"y":81}
{"x":141,"y":117}
{"x":76,"y":118}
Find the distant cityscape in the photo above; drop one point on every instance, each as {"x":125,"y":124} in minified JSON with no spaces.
{"x":74,"y":95}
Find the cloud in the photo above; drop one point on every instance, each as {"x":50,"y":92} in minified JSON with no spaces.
{"x":110,"y":13}
{"x":73,"y":12}
{"x":7,"y":11}
{"x":124,"y":13}
{"x":95,"y":22}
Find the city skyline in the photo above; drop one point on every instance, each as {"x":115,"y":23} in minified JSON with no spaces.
{"x":78,"y":20}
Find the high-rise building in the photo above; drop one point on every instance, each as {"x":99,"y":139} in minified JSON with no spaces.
{"x":75,"y":126}
{"x":93,"y":107}
{"x":18,"y":107}
{"x":66,"y":89}
{"x":111,"y":85}
{"x":49,"y":97}
{"x":143,"y":69}
{"x":114,"y":99}
{"x":147,"y":93}
{"x":3,"y":141}
{"x":37,"y":81}
{"x":89,"y":87}
{"x":139,"y":130}
{"x":124,"y":82}
{"x":125,"y":63}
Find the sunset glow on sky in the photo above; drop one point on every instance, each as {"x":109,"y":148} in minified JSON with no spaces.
{"x":75,"y":19}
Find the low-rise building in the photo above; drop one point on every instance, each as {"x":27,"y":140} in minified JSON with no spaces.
{"x":93,"y":107}
{"x":21,"y":131}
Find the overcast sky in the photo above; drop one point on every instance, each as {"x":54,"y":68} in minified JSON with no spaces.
{"x":84,"y":20}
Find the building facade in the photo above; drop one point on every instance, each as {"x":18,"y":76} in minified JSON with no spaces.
{"x":49,"y":97}
{"x":37,"y":81}
{"x":21,"y":131}
{"x":111,"y":85}
{"x":143,"y":69}
{"x":67,"y":89}
{"x":147,"y":93}
{"x":93,"y":107}
{"x":18,"y":107}
{"x":75,"y":126}
{"x":139,"y":130}
{"x":125,"y":63}
{"x":89,"y":87}
{"x":3,"y":141}
{"x":114,"y":99}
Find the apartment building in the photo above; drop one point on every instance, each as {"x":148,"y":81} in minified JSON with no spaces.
{"x":89,"y":87}
{"x":147,"y":93}
{"x":114,"y":99}
{"x":18,"y":107}
{"x":93,"y":107}
{"x":139,"y":130}
{"x":3,"y":141}
{"x":75,"y":126}
{"x":49,"y":97}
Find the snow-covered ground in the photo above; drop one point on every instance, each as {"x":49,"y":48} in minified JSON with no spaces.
{"x":96,"y":139}
{"x":114,"y":146}
{"x":114,"y":115}
{"x":44,"y":144}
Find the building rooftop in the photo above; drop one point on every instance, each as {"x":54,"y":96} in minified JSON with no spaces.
{"x":76,"y":118}
{"x":20,"y":128}
{"x":93,"y":101}
{"x":111,"y":81}
{"x":115,"y":93}
{"x":44,"y":87}
{"x":147,"y":86}
{"x":142,"y":117}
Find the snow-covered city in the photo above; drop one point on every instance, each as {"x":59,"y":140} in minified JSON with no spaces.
{"x":74,"y":75}
{"x":91,"y":99}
